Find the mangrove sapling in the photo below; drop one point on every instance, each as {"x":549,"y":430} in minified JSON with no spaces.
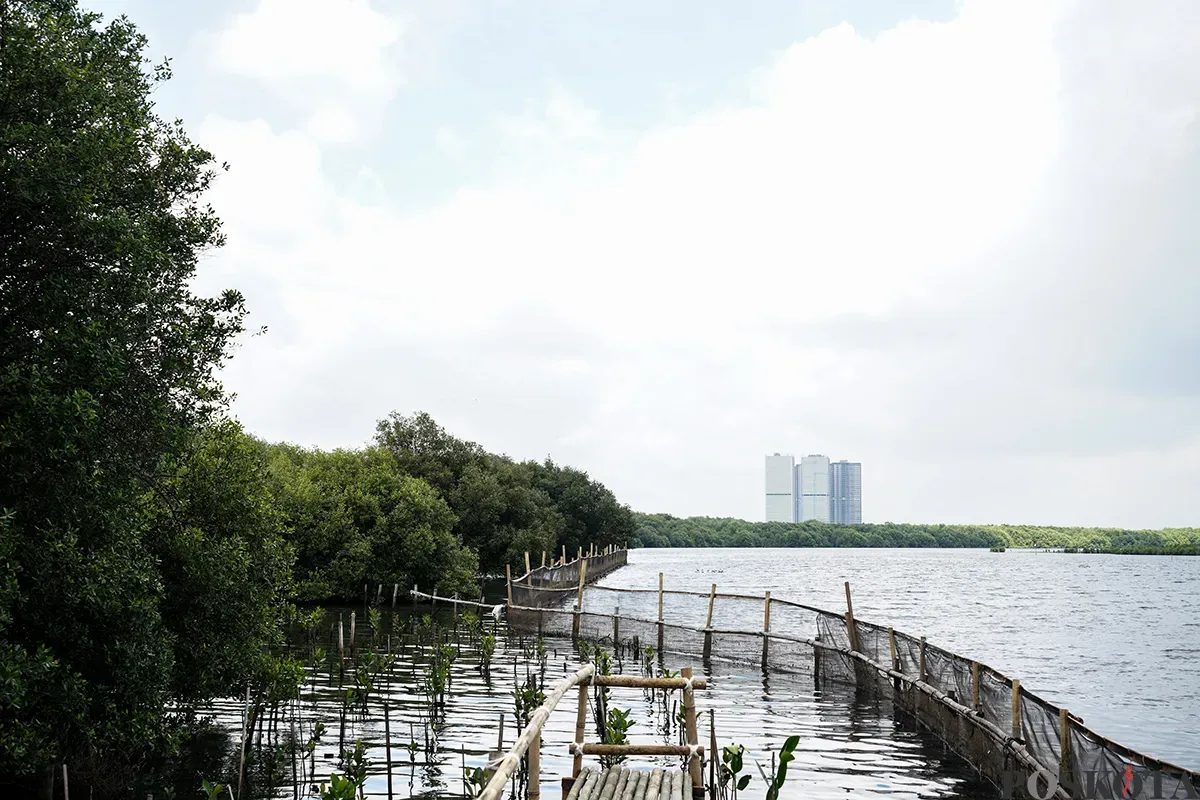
{"x":730,"y":781}
{"x":778,"y":775}
{"x":617,"y":725}
{"x":487,"y":647}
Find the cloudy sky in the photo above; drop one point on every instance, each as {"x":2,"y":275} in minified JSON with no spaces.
{"x":955,"y":241}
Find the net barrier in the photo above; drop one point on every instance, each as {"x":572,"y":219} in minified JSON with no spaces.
{"x":1008,"y":733}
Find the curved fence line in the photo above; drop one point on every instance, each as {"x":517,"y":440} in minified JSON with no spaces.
{"x":986,"y":716}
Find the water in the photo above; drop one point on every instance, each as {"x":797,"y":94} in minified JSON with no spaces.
{"x":1108,"y":636}
{"x":1116,"y":639}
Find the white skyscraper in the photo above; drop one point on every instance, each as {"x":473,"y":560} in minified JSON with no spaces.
{"x":781,"y":488}
{"x":814,"y":488}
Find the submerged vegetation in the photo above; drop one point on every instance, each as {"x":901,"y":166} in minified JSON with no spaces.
{"x":664,"y":530}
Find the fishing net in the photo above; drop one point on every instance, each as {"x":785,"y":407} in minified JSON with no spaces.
{"x":970,"y":705}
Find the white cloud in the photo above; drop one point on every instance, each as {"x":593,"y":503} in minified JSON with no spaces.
{"x":680,"y":293}
{"x":334,"y":59}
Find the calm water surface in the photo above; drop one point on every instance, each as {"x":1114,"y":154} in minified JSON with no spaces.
{"x":1114,"y":638}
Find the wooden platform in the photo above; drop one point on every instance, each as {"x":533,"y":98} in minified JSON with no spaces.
{"x":617,"y":783}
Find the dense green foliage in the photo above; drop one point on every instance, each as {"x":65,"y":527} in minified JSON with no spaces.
{"x":423,"y":507}
{"x":355,"y":518}
{"x":506,"y":508}
{"x":140,"y":558}
{"x":664,"y":530}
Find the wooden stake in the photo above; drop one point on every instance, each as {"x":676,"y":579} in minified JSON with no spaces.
{"x":395,"y":591}
{"x":535,"y":767}
{"x":851,"y":625}
{"x":564,"y":555}
{"x":582,"y":581}
{"x":543,"y":559}
{"x":767,"y":613}
{"x":713,"y":756}
{"x":66,"y":788}
{"x":1064,"y":744}
{"x":352,"y":629}
{"x":580,"y":724}
{"x":693,"y":738}
{"x":387,"y":746}
{"x":975,"y":685}
{"x":921,"y":672}
{"x":1016,"y":709}
{"x":508,"y":580}
{"x":528,"y":572}
{"x":660,"y":597}
{"x":712,"y":595}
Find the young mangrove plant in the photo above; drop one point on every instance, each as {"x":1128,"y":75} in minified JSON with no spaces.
{"x":730,"y":781}
{"x":778,"y":775}
{"x":487,"y":648}
{"x":616,"y":728}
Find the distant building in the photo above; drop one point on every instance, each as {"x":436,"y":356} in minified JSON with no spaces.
{"x":781,"y":488}
{"x":845,"y":479}
{"x":814,"y":488}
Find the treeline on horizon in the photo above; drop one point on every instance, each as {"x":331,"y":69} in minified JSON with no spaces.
{"x":152,"y":553}
{"x":665,"y":530}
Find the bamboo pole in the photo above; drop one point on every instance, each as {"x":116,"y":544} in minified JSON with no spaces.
{"x":66,"y":786}
{"x":564,"y":555}
{"x":579,"y":599}
{"x":712,"y":595}
{"x":535,"y":767}
{"x":504,"y":770}
{"x":660,"y":598}
{"x":656,"y":777}
{"x":528,"y":571}
{"x":1064,"y":745}
{"x":543,"y":559}
{"x":689,"y":717}
{"x":353,"y":638}
{"x":508,"y":581}
{"x":921,"y":670}
{"x":387,"y":745}
{"x":851,"y":625}
{"x":589,"y":749}
{"x":580,"y":725}
{"x":643,"y":682}
{"x":712,"y":751}
{"x":395,"y":591}
{"x":766,"y":628}
{"x":975,"y":685}
{"x":577,"y":783}
{"x":1016,"y":709}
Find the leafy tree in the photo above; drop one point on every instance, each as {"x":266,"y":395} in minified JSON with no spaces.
{"x":355,"y":518}
{"x":117,"y":529}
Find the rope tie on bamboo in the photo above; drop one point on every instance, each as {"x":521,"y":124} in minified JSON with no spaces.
{"x":578,"y":747}
{"x":693,"y":751}
{"x":687,"y":684}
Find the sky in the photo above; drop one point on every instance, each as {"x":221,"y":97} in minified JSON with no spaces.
{"x":955,"y":241}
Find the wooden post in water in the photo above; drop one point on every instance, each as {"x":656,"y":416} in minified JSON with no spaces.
{"x":387,"y":745}
{"x":660,"y":612}
{"x":395,"y":591}
{"x":564,"y":555}
{"x":689,"y":720}
{"x":851,"y":625}
{"x":534,"y":757}
{"x":712,"y":596}
{"x":580,"y":725}
{"x":713,"y":757}
{"x":353,"y":640}
{"x":508,"y":581}
{"x":921,"y":670}
{"x":766,"y":628}
{"x":617,"y":627}
{"x":817,"y":664}
{"x":66,"y":787}
{"x":543,"y":559}
{"x":1016,"y":709}
{"x":1064,"y":747}
{"x":896,"y":664}
{"x":341,"y":639}
{"x":975,"y":685}
{"x":579,"y":599}
{"x":580,"y":555}
{"x":528,"y":571}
